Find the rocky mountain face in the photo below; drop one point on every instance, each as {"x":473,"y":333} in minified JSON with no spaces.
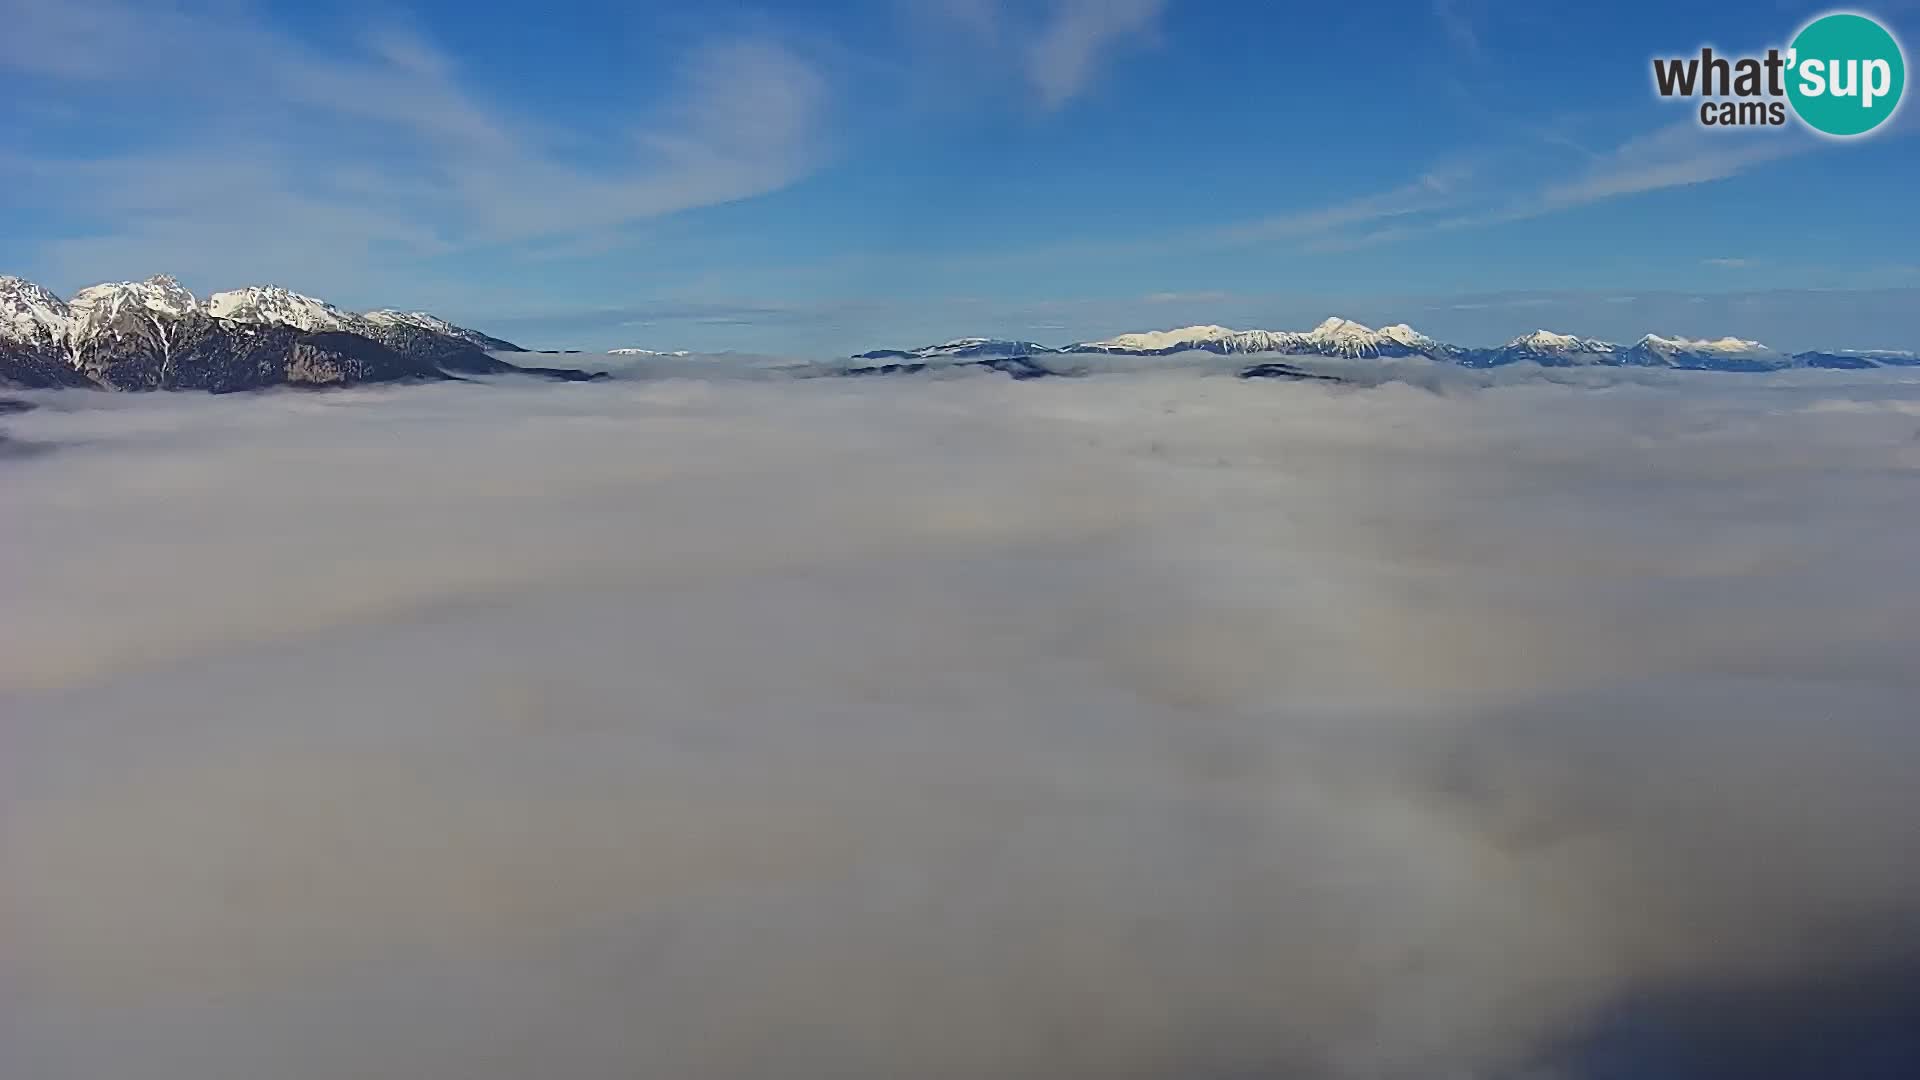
{"x":37,"y":368}
{"x":200,"y":352}
{"x":156,"y":335}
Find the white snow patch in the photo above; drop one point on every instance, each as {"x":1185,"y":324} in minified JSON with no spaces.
{"x":1725,"y":345}
{"x":274,"y":305}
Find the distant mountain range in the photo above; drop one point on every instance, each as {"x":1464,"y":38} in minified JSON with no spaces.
{"x":155,"y":334}
{"x":1338,"y":337}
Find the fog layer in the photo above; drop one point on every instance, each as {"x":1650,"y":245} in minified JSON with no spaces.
{"x":1141,"y":725}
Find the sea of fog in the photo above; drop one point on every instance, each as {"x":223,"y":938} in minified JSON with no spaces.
{"x":717,"y":723}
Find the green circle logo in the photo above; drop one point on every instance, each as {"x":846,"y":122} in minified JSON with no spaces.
{"x":1845,"y":74}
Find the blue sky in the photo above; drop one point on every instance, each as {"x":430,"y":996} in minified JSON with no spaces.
{"x":814,"y":177}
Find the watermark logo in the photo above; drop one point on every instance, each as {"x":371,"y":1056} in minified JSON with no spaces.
{"x":1842,"y":75}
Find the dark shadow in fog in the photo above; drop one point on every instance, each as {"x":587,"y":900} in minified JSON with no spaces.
{"x":1861,"y":1025}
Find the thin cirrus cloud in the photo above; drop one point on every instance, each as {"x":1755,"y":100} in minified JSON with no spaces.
{"x":1457,"y":20}
{"x":1061,"y":47}
{"x":1080,"y":34}
{"x":1457,"y":198}
{"x":1677,"y":155}
{"x":385,"y":151}
{"x":1435,"y":189}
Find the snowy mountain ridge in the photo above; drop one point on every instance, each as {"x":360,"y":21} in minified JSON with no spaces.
{"x":1548,"y":341}
{"x":1727,"y":345}
{"x":155,"y":334}
{"x":273,"y":305}
{"x":32,"y":314}
{"x":158,"y":295}
{"x":1335,"y":336}
{"x":1345,"y":338}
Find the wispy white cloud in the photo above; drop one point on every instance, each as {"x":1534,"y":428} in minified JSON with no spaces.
{"x":1677,"y":155}
{"x":348,"y":158}
{"x":1435,"y":189}
{"x":1467,"y":194}
{"x":1457,"y":20}
{"x":1080,"y":34}
{"x":1059,"y":46}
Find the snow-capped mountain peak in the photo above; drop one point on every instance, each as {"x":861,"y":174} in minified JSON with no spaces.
{"x":155,"y":334}
{"x":30,"y":314}
{"x":648,"y":352}
{"x":1156,"y":340}
{"x":1334,"y":325}
{"x":273,"y":305}
{"x":1335,"y":336}
{"x":1725,"y":345}
{"x":125,"y":310}
{"x":1355,"y":339}
{"x":1547,"y":341}
{"x":385,"y":322}
{"x":1406,"y":335}
{"x":159,"y":295}
{"x":418,"y":319}
{"x":1348,"y":338}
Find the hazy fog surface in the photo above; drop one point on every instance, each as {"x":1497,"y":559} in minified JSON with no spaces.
{"x":1144,"y":725}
